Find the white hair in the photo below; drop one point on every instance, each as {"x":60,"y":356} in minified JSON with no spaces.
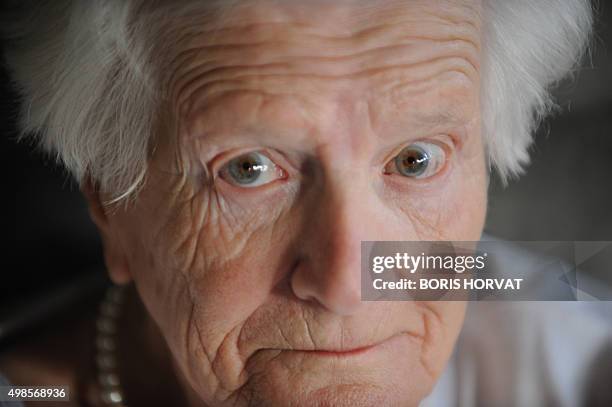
{"x":90,"y":77}
{"x":528,"y":47}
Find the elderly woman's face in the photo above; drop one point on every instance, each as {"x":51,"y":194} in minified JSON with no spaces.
{"x":298,"y":130}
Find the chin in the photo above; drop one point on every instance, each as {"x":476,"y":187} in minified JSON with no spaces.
{"x":344,"y":392}
{"x":390,"y":374}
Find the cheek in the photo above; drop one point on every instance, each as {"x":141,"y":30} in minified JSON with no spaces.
{"x":202,"y":269}
{"x":464,"y":208}
{"x":443,"y":329}
{"x":452,"y":209}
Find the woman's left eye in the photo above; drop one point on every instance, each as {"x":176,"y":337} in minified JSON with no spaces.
{"x":251,"y":170}
{"x":418,"y":160}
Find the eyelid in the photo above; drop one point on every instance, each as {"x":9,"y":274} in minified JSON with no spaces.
{"x":445,"y":141}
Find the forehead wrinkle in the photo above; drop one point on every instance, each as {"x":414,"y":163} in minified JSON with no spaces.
{"x":442,"y":103}
{"x":405,"y":93}
{"x":341,"y":19}
{"x":292,"y":39}
{"x":395,"y":80}
{"x":414,"y":50}
{"x":283,"y":121}
{"x":326,"y":42}
{"x":277,"y":56}
{"x":264,"y":117}
{"x":319,"y":55}
{"x":233,"y":64}
{"x":202,"y":81}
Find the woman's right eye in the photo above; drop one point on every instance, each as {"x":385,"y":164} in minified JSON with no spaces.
{"x":251,"y":170}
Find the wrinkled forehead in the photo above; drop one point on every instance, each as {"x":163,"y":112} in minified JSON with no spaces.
{"x":236,"y":33}
{"x":287,"y":59}
{"x":345,"y":17}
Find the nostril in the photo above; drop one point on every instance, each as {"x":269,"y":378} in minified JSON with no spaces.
{"x":342,"y":300}
{"x":340,"y":296}
{"x":301,"y":287}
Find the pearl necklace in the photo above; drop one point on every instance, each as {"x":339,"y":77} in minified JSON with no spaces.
{"x":106,"y":345}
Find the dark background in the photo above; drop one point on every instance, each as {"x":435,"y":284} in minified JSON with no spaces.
{"x":565,"y":195}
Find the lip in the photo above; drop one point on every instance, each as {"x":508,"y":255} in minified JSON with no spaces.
{"x":337,"y":353}
{"x":352,"y":351}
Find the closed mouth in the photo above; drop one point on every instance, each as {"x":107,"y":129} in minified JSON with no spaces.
{"x":347,"y":352}
{"x":357,"y":351}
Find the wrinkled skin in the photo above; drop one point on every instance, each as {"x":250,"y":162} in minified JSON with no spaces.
{"x":245,"y":283}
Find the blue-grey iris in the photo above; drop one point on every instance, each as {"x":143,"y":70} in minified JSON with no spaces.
{"x":412,"y":161}
{"x":246,"y":169}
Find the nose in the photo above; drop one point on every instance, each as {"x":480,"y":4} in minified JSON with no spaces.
{"x":328,"y":271}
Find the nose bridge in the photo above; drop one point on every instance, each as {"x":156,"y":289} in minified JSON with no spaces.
{"x":343,"y":225}
{"x":329,"y":269}
{"x":346,"y":203}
